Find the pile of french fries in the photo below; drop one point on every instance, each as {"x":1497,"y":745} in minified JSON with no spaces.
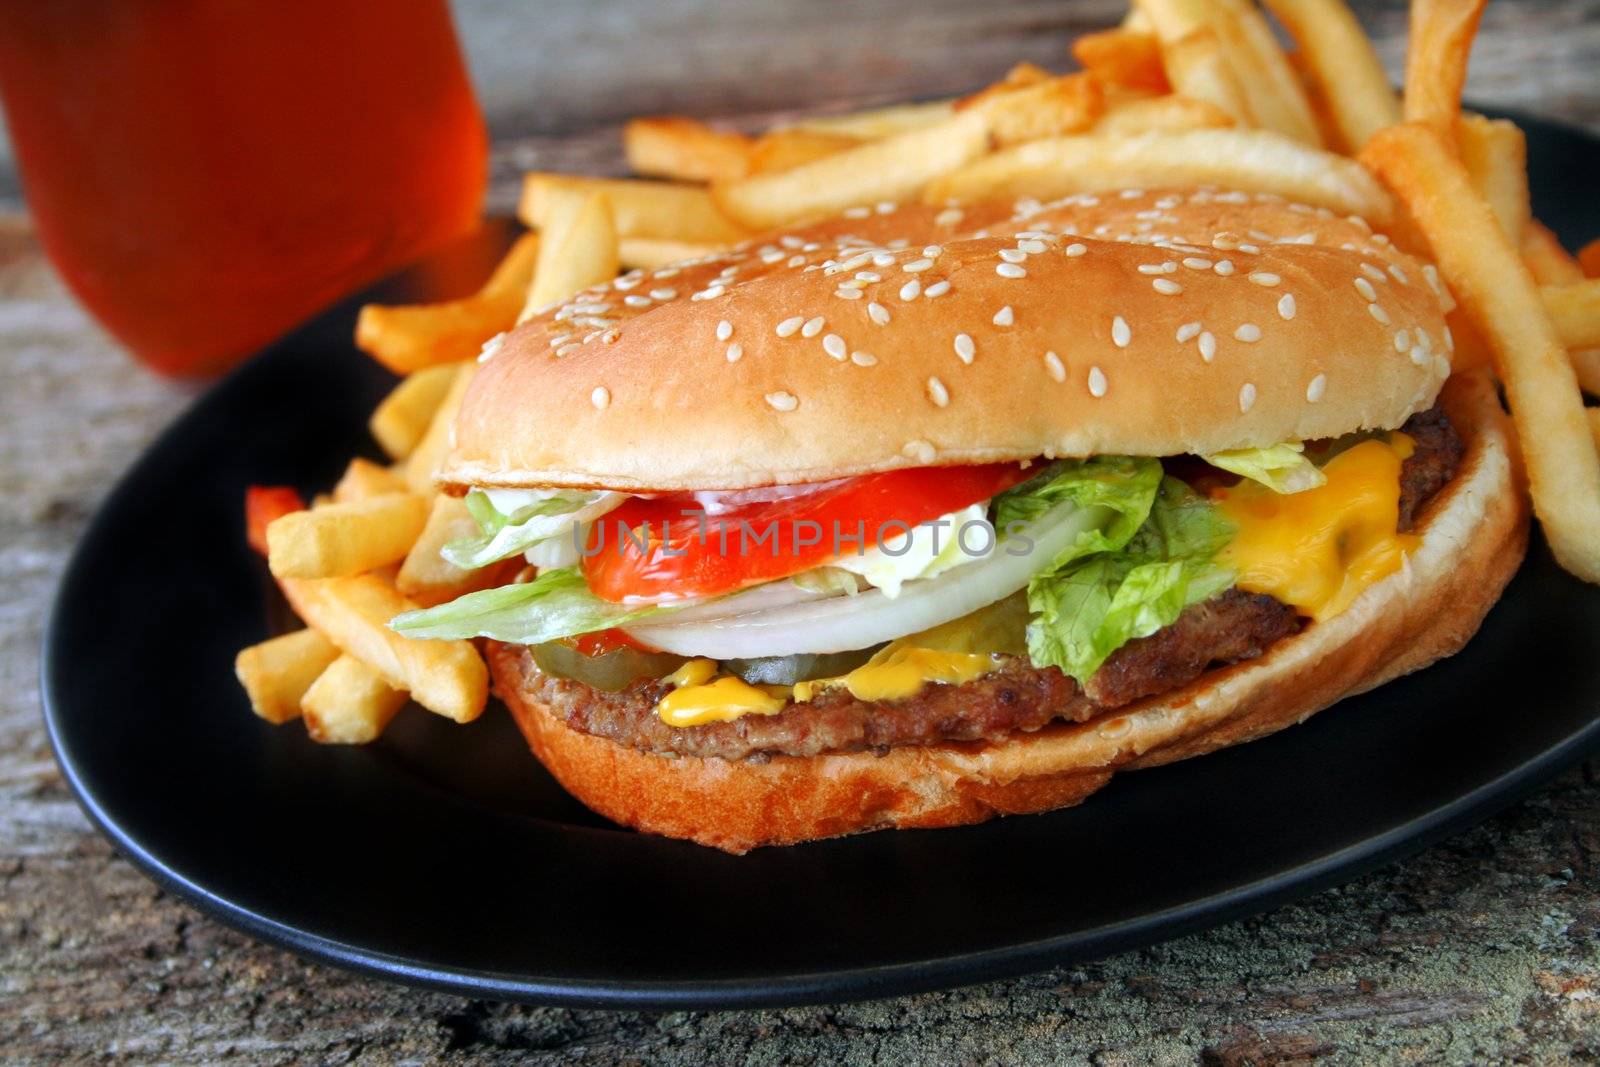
{"x":1182,"y":93}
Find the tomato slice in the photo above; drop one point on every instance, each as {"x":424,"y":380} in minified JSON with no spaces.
{"x":675,"y":545}
{"x":600,"y":642}
{"x":262,"y":504}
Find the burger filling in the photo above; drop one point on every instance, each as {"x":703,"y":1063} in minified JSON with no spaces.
{"x":931,"y":604}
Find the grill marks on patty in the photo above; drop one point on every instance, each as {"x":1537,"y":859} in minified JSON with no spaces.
{"x":1230,"y":627}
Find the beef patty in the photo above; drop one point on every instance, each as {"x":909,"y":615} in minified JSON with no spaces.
{"x":1228,"y":628}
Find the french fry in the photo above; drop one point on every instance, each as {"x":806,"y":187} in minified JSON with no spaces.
{"x":646,"y":253}
{"x":402,"y":417}
{"x":673,"y":146}
{"x":786,"y":149}
{"x":1594,"y":424}
{"x":895,"y":168}
{"x":430,"y":451}
{"x":1550,"y":263}
{"x":1123,"y":57}
{"x":664,"y":211}
{"x":875,"y":124}
{"x":277,"y":672}
{"x":1499,"y":295}
{"x":426,"y":576}
{"x":1273,"y":92}
{"x":1575,"y":310}
{"x":1496,"y":157}
{"x":1343,"y":65}
{"x":1049,"y":108}
{"x":1436,"y":62}
{"x":1018,"y":77}
{"x":408,"y":338}
{"x":348,"y":538}
{"x":446,"y":677}
{"x":1199,"y":69}
{"x":1589,"y":259}
{"x":349,"y":704}
{"x":1160,"y":114}
{"x":364,"y":479}
{"x":581,"y":253}
{"x":1256,"y":161}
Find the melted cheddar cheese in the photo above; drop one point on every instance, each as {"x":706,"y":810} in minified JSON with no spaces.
{"x":897,"y":673}
{"x":699,"y":696}
{"x":1318,"y":550}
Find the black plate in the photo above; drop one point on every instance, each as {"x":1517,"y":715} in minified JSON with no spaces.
{"x":445,"y":856}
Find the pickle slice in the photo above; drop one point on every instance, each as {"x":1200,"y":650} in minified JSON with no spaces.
{"x":804,"y":667}
{"x":611,"y":671}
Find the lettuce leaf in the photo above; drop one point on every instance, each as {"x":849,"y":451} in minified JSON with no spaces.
{"x":1282,"y":468}
{"x":1125,"y":486}
{"x":554,"y":605}
{"x":503,"y":536}
{"x":1089,"y":608}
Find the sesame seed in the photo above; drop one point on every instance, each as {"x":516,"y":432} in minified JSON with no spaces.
{"x":795,"y":261}
{"x":628,"y":281}
{"x":735,"y":351}
{"x":600,"y":397}
{"x":933,"y":251}
{"x":812,"y":327}
{"x":490,"y":347}
{"x":938,"y":288}
{"x":949,"y":217}
{"x":1010,"y":270}
{"x":883,"y":259}
{"x":856,"y":212}
{"x":663,"y":294}
{"x":917,"y":266}
{"x":1052,"y":363}
{"x":921,"y":451}
{"x":771,"y":257}
{"x":1196,"y":263}
{"x":1419,"y":355}
{"x":868,"y":276}
{"x":1431,"y":273}
{"x":1097,"y":382}
{"x":847,"y":294}
{"x":1402,"y":340}
{"x":1032,"y":246}
{"x":1366,"y":290}
{"x":568,"y":349}
{"x":1158,"y":268}
{"x":1004,"y":317}
{"x":1286,"y":306}
{"x":878,"y":313}
{"x":1224,"y":242}
{"x":1399,"y":275}
{"x":1377,"y":312}
{"x":611,"y":335}
{"x":724,"y":330}
{"x":863,"y":359}
{"x":1224,"y":267}
{"x":1449,"y":339}
{"x":1318,"y":386}
{"x":1247,"y":397}
{"x":710,"y":292}
{"x":886,"y":206}
{"x":1166,"y":286}
{"x":1076,"y":249}
{"x":834,"y":345}
{"x":965,"y":349}
{"x":790,"y":326}
{"x":1262,"y":277}
{"x":1373,"y":272}
{"x":1253,"y":250}
{"x":1188,"y":332}
{"x":1208,"y":346}
{"x":634,"y":300}
{"x":938,"y":393}
{"x":1120,"y":333}
{"x":1424,"y":340}
{"x":667,"y":272}
{"x":1012,"y":255}
{"x":783,"y":401}
{"x":1247,"y":332}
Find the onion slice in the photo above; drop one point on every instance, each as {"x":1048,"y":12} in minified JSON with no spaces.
{"x":839,"y":623}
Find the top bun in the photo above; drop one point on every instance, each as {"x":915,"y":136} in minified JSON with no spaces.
{"x":1135,"y":323}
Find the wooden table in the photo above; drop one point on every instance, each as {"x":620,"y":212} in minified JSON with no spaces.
{"x":1481,"y":949}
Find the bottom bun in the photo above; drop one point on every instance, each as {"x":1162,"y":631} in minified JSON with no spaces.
{"x":1474,"y":533}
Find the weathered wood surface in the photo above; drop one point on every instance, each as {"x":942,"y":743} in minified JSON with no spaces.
{"x":1483,"y":949}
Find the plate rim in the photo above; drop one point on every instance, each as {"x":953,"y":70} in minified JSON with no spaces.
{"x":790,"y":989}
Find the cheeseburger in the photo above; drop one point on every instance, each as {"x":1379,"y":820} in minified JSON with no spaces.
{"x":914,"y":517}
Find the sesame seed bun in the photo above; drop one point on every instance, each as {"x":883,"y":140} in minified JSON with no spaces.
{"x":1473,"y":536}
{"x":1142,"y":323}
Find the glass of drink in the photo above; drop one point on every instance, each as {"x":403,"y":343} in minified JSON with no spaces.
{"x":206,"y":173}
